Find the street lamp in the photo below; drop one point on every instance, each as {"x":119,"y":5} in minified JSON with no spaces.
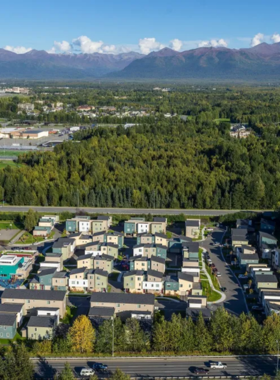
{"x":113,"y":327}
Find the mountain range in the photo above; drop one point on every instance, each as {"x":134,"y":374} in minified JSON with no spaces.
{"x":261,"y":62}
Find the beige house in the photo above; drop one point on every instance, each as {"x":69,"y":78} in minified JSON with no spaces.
{"x":85,"y":261}
{"x":124,"y":304}
{"x":145,"y":239}
{"x":158,"y":226}
{"x":60,"y":281}
{"x":139,"y":263}
{"x":154,"y":276}
{"x":34,"y":299}
{"x":132,"y":281}
{"x":185,"y":283}
{"x":99,"y":236}
{"x":84,"y":279}
{"x":110,"y":249}
{"x":192,"y":228}
{"x":102,"y":223}
{"x":97,"y":280}
{"x":104,"y":262}
{"x":41,"y":327}
{"x":158,"y":264}
{"x":161,"y":239}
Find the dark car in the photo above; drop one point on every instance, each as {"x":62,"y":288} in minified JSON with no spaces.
{"x":201,"y":371}
{"x":100,"y":367}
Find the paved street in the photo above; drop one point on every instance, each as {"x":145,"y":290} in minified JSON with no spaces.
{"x":124,"y":210}
{"x":165,"y":367}
{"x":234,"y":295}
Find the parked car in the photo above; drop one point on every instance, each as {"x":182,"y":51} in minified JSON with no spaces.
{"x":201,"y":371}
{"x":218,"y":274}
{"x":218,"y":365}
{"x":100,"y":366}
{"x":86,"y":372}
{"x":257,"y":308}
{"x":245,"y":286}
{"x":242,"y":276}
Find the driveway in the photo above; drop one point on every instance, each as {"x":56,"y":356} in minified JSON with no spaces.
{"x":235,"y":302}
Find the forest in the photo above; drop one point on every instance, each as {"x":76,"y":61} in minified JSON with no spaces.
{"x":159,"y":162}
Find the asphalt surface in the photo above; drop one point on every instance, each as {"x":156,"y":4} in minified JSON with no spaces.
{"x":164,"y":367}
{"x":235,"y":301}
{"x":124,"y":210}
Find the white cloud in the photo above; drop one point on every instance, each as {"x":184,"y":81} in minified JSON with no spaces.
{"x":88,"y":46}
{"x":17,"y":49}
{"x":147,"y":45}
{"x":63,"y":46}
{"x":257,"y":39}
{"x":176,"y":44}
{"x":213,"y":43}
{"x":52,"y":50}
{"x":109,"y":49}
{"x":275,"y":37}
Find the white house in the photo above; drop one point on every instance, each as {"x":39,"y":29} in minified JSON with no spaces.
{"x":85,"y":225}
{"x":142,"y":228}
{"x":138,"y":250}
{"x":156,"y":286}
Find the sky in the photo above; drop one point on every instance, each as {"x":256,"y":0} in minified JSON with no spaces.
{"x":115,"y":26}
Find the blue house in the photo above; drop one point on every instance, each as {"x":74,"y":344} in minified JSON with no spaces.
{"x":8,"y":326}
{"x":267,"y":226}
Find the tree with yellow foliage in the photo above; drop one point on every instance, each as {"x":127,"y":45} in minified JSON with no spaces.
{"x":82,"y":335}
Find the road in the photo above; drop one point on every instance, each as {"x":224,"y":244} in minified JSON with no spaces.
{"x":164,"y":367}
{"x":235,"y":301}
{"x":135,"y":211}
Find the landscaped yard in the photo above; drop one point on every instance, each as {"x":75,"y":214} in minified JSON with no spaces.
{"x":9,"y":224}
{"x":5,"y":163}
{"x":28,"y":238}
{"x":211,"y":295}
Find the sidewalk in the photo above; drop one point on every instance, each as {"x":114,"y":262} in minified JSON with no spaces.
{"x":223,"y":296}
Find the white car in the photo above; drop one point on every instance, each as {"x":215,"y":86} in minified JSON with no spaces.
{"x":87,"y":372}
{"x":218,"y":274}
{"x":218,"y":365}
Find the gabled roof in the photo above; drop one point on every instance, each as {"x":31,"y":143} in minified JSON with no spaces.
{"x":192,"y":223}
{"x":103,"y":217}
{"x":62,"y":242}
{"x":47,"y":272}
{"x":126,"y":298}
{"x":155,"y":273}
{"x":158,"y":259}
{"x":78,"y":270}
{"x":134,"y":273}
{"x":53,"y":295}
{"x":41,"y":321}
{"x":60,"y":275}
{"x":97,"y":311}
{"x":185,"y":277}
{"x":159,"y":219}
{"x":163,"y":236}
{"x":7,"y":319}
{"x":11,"y":307}
{"x":191,"y":246}
{"x":266,"y":278}
{"x":109,"y":245}
{"x":266,"y":235}
{"x":104,"y":257}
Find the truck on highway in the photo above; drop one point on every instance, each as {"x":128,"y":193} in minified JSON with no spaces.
{"x":218,"y":365}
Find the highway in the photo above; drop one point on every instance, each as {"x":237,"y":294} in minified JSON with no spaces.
{"x":104,"y":210}
{"x":163,"y":367}
{"x":235,"y":301}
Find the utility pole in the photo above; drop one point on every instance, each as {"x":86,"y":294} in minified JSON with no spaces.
{"x":78,"y":198}
{"x":113,"y":337}
{"x":277,"y":341}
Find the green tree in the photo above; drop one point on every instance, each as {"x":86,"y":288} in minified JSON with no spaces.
{"x":120,"y":375}
{"x":18,"y":364}
{"x":202,"y":336}
{"x":271,"y":333}
{"x":66,"y":373}
{"x":30,"y":220}
{"x":135,"y":338}
{"x":221,"y":330}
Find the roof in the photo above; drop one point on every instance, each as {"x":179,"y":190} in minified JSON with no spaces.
{"x":78,"y":270}
{"x":198,"y":301}
{"x":138,"y":258}
{"x":194,"y":312}
{"x":197,"y":285}
{"x":103,"y":217}
{"x":99,"y":233}
{"x":266,"y":235}
{"x":109,"y":245}
{"x":60,"y":275}
{"x":41,"y":321}
{"x":269,"y":292}
{"x":51,"y":254}
{"x":97,"y":311}
{"x":185,"y":276}
{"x":158,"y":234}
{"x":158,"y":259}
{"x":248,"y":247}
{"x":249,"y":256}
{"x":7,"y":319}
{"x":192,"y":223}
{"x":240,"y":233}
{"x":273,"y":305}
{"x":154,"y":273}
{"x":47,"y":272}
{"x":100,"y":272}
{"x":115,"y":233}
{"x":11,"y":307}
{"x":159,"y":219}
{"x":266,"y":278}
{"x":126,"y":298}
{"x":134,"y":273}
{"x":53,"y":295}
{"x":104,"y":257}
{"x":92,"y":243}
{"x":171,"y":278}
{"x":145,"y":235}
{"x":62,"y":242}
{"x":191,"y":246}
{"x":84,"y":257}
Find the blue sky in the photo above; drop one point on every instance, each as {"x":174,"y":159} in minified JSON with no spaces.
{"x":89,"y":26}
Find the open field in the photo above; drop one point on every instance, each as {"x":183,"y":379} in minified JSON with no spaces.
{"x":5,"y":163}
{"x":5,"y":152}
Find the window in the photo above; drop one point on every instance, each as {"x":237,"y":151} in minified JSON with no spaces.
{"x":139,"y":306}
{"x":181,"y":285}
{"x":139,"y":278}
{"x":35,"y":329}
{"x":48,"y":302}
{"x":28,"y":301}
{"x":1,"y":334}
{"x":5,"y":328}
{"x":7,"y":335}
{"x":118,"y":305}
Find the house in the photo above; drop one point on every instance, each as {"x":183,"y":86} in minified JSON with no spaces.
{"x":140,"y":226}
{"x":102,"y":223}
{"x":190,"y":250}
{"x":52,"y":260}
{"x":27,"y":107}
{"x":13,"y":309}
{"x":175,"y":245}
{"x":171,"y":285}
{"x":81,"y":239}
{"x":246,"y":255}
{"x":145,"y":239}
{"x":267,"y":226}
{"x":133,"y":280}
{"x":64,"y":246}
{"x":34,"y":299}
{"x":154,"y":276}
{"x":88,"y":280}
{"x":13,"y":267}
{"x":139,"y":263}
{"x":197,"y":289}
{"x":161,"y":239}
{"x":99,"y":237}
{"x":43,"y":280}
{"x":109,"y":249}
{"x":46,"y":222}
{"x":267,"y":243}
{"x":41,"y":231}
{"x":98,"y":314}
{"x":124,"y":304}
{"x":92,"y":248}
{"x":239,"y":236}
{"x":158,"y":264}
{"x":78,"y":224}
{"x":114,"y":238}
{"x":8,"y":326}
{"x":41,"y":327}
{"x":104,"y":262}
{"x":85,"y":261}
{"x":197,"y":305}
{"x":266,"y":281}
{"x":194,"y":271}
{"x":149,"y":250}
{"x":154,"y":283}
{"x":185,"y":283}
{"x":60,"y":281}
{"x":270,"y":300}
{"x":192,"y":228}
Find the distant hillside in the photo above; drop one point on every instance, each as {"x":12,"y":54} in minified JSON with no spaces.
{"x":42,"y":65}
{"x":261,"y":62}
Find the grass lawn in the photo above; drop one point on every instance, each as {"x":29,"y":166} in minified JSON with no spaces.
{"x":28,"y":238}
{"x":5,"y":152}
{"x":4,"y":164}
{"x":114,"y":276}
{"x":213,"y":278}
{"x":9,"y":225}
{"x":221,"y":120}
{"x":209,"y":293}
{"x":203,"y":276}
{"x":17,"y":338}
{"x":69,"y":315}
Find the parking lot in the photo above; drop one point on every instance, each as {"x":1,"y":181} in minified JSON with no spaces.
{"x":7,"y":235}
